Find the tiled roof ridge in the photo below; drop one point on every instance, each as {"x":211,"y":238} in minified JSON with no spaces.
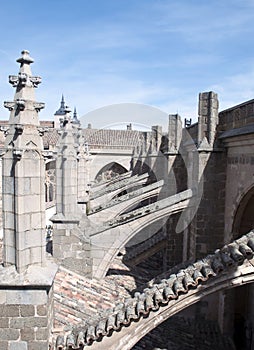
{"x":152,"y":298}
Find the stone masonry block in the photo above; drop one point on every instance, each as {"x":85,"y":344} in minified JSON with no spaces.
{"x":58,"y":253}
{"x":28,"y":167}
{"x":28,"y":297}
{"x":38,"y":345}
{"x":27,"y":310}
{"x":9,"y":238}
{"x":41,"y":310}
{"x":8,"y":203}
{"x":22,"y":186}
{"x":27,"y":334}
{"x":9,"y":334}
{"x":4,"y":322}
{"x":35,"y":189}
{"x":36,"y":220}
{"x":29,"y":203}
{"x":23,"y":222}
{"x":21,"y":345}
{"x":23,"y":259}
{"x":28,"y":322}
{"x":36,"y":254}
{"x":9,"y":310}
{"x":8,"y":185}
{"x":9,"y":255}
{"x":42,"y":334}
{"x":31,"y":238}
{"x":8,"y":220}
{"x":2,"y":298}
{"x":4,"y":345}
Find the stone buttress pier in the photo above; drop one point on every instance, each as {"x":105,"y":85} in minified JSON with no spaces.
{"x":71,"y":246}
{"x":26,"y":278}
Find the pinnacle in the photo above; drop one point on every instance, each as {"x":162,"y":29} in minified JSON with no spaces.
{"x":25,"y":58}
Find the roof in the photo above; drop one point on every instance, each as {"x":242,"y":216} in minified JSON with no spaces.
{"x":158,"y":294}
{"x":247,"y":129}
{"x":79,"y":298}
{"x":113,"y":138}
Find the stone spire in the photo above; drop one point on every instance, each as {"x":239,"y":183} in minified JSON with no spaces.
{"x":75,"y":119}
{"x":61,"y":111}
{"x":23,"y":174}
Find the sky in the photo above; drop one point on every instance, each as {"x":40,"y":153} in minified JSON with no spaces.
{"x":158,"y":53}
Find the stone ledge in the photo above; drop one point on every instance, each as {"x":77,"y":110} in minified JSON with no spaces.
{"x":36,"y":276}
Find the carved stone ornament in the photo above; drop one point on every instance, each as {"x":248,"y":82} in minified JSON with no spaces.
{"x":41,"y":131}
{"x":13,"y":80}
{"x":19,"y":129}
{"x":23,"y":79}
{"x":21,"y":104}
{"x":9,"y":105}
{"x":5,"y":130}
{"x":35,"y":81}
{"x":17,"y":154}
{"x":38,"y":106}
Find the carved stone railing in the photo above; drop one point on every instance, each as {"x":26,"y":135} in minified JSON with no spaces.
{"x":127,"y":196}
{"x":148,"y":209}
{"x":159,"y":294}
{"x":118,"y":185}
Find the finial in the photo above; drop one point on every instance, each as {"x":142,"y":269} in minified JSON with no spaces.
{"x":75,"y":117}
{"x":61,"y":110}
{"x":25,"y":58}
{"x":75,"y":113}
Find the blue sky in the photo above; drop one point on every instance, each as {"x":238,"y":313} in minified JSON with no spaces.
{"x":160,"y":53}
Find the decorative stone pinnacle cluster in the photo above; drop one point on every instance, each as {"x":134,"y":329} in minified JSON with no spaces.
{"x":24,"y":83}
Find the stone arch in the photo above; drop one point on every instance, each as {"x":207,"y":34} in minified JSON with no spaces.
{"x":115,"y":238}
{"x":109,"y":171}
{"x":243,"y":218}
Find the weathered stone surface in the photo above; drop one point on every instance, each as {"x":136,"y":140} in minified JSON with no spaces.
{"x":42,"y":334}
{"x":41,"y":310}
{"x":4,"y":345}
{"x":38,"y":345}
{"x":27,"y":310}
{"x":27,"y":334}
{"x":21,"y":345}
{"x":4,"y":322}
{"x":9,"y":334}
{"x":9,"y":310}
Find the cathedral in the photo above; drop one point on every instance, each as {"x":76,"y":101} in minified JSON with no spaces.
{"x":126,"y":239}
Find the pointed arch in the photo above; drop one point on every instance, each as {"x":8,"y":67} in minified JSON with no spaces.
{"x":243,"y":218}
{"x":109,"y":171}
